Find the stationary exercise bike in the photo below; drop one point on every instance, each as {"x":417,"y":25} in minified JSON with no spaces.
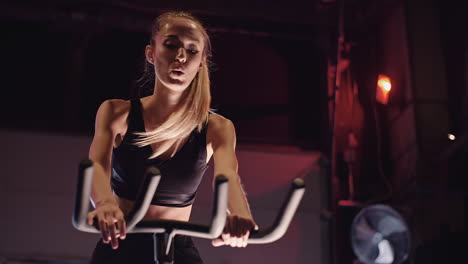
{"x":165,"y":230}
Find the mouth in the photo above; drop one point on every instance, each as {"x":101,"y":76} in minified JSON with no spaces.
{"x":177,"y":72}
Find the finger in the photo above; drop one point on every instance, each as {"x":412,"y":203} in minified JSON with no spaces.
{"x":226,"y":237}
{"x":113,"y":235}
{"x":244,"y":244}
{"x":103,"y":227}
{"x":217,"y":242}
{"x":111,"y":224}
{"x":89,"y":218}
{"x":245,"y":239}
{"x":122,"y":228}
{"x":240,"y":242}
{"x":233,"y":242}
{"x":120,"y":225}
{"x":105,"y":233}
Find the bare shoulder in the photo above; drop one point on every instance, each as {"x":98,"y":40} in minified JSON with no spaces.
{"x":113,"y":113}
{"x":219,"y":123}
{"x":220,"y":130}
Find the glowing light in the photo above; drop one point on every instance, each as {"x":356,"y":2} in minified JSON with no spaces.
{"x":384,"y":85}
{"x":451,"y":136}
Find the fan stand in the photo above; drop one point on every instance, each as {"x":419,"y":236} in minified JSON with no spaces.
{"x":350,"y":157}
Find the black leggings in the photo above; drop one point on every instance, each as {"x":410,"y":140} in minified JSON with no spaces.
{"x":138,"y":248}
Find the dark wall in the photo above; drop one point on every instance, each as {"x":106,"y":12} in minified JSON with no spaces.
{"x":58,"y":71}
{"x":409,"y":162}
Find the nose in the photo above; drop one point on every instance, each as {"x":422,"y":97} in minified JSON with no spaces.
{"x":181,"y":55}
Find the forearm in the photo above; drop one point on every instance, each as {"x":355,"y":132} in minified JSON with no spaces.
{"x":237,"y":203}
{"x":101,"y":191}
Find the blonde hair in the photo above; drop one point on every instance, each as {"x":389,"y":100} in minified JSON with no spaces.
{"x":192,"y":111}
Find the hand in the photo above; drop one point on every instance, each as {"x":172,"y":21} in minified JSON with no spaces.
{"x":111,"y":222}
{"x":236,"y":232}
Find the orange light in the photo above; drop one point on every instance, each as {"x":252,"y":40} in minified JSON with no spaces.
{"x":384,"y":85}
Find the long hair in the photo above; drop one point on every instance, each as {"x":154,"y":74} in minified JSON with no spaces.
{"x":192,"y":111}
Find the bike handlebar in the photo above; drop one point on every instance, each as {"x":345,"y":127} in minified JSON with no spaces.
{"x":171,"y":227}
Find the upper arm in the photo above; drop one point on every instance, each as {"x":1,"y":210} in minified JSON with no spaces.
{"x":222,"y":135}
{"x":100,"y":150}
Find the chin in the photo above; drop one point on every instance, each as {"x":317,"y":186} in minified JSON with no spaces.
{"x":178,"y":86}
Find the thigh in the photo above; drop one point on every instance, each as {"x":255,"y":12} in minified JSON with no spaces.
{"x":135,"y":248}
{"x":185,"y":251}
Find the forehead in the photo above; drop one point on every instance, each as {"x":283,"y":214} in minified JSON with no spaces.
{"x":181,"y":28}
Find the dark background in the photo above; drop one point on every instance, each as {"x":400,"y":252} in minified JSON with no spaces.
{"x":270,"y":76}
{"x":62,"y":59}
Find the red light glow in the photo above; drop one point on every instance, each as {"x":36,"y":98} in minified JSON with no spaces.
{"x":384,"y":85}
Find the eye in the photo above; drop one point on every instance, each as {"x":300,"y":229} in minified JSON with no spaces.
{"x":192,"y":51}
{"x":170,"y":45}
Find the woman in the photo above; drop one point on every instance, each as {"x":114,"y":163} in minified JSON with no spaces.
{"x":173,"y":130}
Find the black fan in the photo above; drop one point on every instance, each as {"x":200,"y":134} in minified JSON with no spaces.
{"x":379,"y":235}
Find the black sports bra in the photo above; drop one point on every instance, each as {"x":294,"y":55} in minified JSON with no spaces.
{"x":180,"y":175}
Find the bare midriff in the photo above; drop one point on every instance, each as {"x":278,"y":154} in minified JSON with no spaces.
{"x":156,"y":212}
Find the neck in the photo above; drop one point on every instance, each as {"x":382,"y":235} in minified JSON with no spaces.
{"x":164,"y":101}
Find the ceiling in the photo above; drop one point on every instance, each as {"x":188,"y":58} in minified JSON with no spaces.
{"x":295,"y":19}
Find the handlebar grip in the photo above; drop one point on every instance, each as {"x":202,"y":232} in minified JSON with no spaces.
{"x":284,"y":217}
{"x":85,"y":176}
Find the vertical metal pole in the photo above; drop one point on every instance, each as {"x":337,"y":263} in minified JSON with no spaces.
{"x":336,"y":90}
{"x":160,"y":245}
{"x":335,"y":180}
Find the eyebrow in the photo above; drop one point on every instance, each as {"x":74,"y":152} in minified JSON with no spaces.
{"x":177,"y":37}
